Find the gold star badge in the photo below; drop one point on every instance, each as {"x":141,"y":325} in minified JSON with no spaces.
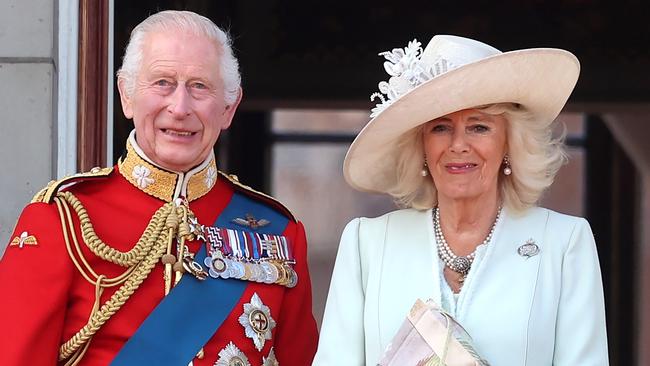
{"x":24,"y":239}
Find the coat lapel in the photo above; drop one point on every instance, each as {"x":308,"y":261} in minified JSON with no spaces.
{"x":409,"y":269}
{"x":503,"y":284}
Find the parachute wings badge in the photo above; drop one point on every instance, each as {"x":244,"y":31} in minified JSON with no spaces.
{"x":23,"y":239}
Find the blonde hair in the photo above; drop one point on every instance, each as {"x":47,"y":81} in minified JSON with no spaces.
{"x":185,"y":21}
{"x":535,"y":157}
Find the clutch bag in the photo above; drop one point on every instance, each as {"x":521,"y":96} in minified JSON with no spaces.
{"x":430,"y":337}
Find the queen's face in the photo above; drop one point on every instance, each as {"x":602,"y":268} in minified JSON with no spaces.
{"x":178,"y":105}
{"x":464,"y":152}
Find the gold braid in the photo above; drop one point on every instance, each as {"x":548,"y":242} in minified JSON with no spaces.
{"x":101,"y":249}
{"x":140,"y":262}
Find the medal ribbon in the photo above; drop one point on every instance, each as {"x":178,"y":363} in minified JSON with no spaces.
{"x":175,"y":330}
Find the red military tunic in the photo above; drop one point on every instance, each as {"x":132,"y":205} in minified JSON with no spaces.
{"x":46,"y":300}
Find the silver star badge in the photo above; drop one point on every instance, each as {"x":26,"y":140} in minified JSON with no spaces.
{"x":270,"y":360}
{"x":232,"y":356}
{"x":257,"y":321}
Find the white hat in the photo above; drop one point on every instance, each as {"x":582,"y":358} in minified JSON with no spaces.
{"x":451,"y":74}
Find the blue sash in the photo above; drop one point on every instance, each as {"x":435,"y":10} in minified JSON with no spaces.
{"x":191,"y":314}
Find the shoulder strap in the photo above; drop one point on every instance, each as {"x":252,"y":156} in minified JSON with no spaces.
{"x":47,"y":194}
{"x":257,"y":195}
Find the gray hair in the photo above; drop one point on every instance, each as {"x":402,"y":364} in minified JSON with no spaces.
{"x":189,"y":22}
{"x":535,"y":157}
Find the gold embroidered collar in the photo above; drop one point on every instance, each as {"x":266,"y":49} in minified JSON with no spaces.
{"x":163,"y":184}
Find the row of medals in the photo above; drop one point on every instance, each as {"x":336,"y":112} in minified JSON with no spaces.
{"x":262,"y":271}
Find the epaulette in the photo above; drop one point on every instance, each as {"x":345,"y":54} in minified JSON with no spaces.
{"x":248,"y":191}
{"x":46,"y":195}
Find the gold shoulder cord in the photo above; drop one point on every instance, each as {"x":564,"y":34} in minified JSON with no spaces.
{"x":154,"y":243}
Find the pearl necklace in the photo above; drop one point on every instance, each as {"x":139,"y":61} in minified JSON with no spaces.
{"x":457,"y":263}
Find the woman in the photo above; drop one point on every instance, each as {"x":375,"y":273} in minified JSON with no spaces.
{"x":462,"y":138}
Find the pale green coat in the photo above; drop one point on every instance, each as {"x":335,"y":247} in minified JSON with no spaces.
{"x":539,"y":311}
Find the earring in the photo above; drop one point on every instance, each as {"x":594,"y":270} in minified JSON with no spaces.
{"x":425,"y":169}
{"x":506,"y":165}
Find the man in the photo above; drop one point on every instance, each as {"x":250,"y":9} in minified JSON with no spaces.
{"x":161,"y":260}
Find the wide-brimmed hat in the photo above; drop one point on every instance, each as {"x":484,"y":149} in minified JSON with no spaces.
{"x":451,"y":74}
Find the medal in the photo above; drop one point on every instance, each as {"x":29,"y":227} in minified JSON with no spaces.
{"x":249,"y":256}
{"x":270,"y":272}
{"x":290,"y":275}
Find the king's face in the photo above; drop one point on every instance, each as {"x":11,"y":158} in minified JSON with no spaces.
{"x":178,"y":105}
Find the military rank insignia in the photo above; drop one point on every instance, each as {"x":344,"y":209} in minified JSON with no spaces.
{"x":249,"y":256}
{"x":257,"y":321}
{"x":23,"y":239}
